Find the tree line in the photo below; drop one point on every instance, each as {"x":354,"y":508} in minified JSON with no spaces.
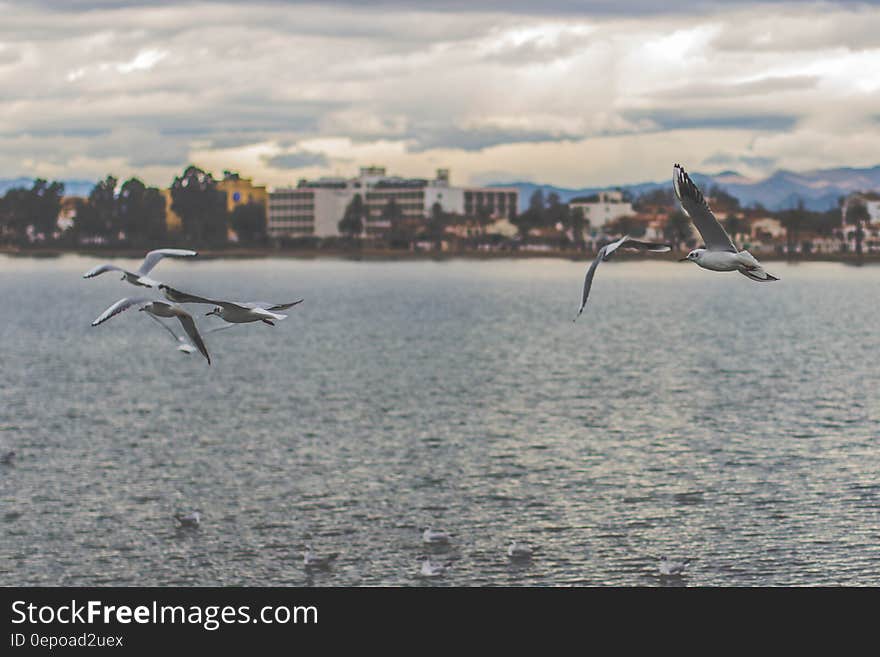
{"x":130,"y":214}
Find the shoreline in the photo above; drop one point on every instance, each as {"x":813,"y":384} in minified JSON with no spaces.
{"x":373,"y":254}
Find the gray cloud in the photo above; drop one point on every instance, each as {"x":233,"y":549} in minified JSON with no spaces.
{"x":91,"y":85}
{"x":297,"y":160}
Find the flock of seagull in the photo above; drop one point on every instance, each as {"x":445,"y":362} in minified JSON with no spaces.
{"x":232,"y":312}
{"x":719,"y":254}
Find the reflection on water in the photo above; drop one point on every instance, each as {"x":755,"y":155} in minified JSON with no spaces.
{"x":686,"y":413}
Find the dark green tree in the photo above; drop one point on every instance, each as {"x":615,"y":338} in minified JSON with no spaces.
{"x":533,"y":215}
{"x":722,"y":201}
{"x":352,"y":223}
{"x":857,"y":215}
{"x":484,"y":217}
{"x":626,"y":225}
{"x":248,"y":220}
{"x":662,"y":198}
{"x":141,"y":213}
{"x":200,"y":205}
{"x":578,"y":223}
{"x":735,"y":224}
{"x":392,"y":213}
{"x":45,"y":204}
{"x":793,"y":221}
{"x":556,"y":213}
{"x":104,"y":220}
{"x":436,"y":227}
{"x":15,"y":212}
{"x":677,"y":230}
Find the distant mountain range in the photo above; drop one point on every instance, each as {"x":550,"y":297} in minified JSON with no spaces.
{"x":819,"y":190}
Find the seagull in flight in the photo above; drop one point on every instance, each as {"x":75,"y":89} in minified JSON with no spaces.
{"x":720,"y":253}
{"x":140,"y":276}
{"x":159,"y":309}
{"x":234,"y":312}
{"x":607,"y":251}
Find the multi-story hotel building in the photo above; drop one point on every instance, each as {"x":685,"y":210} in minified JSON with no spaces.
{"x":314,"y":208}
{"x":602,"y":208}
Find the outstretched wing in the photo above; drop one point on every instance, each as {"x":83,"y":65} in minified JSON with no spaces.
{"x":118,"y":307}
{"x":177,"y":296}
{"x":588,"y":281}
{"x":189,"y":326}
{"x":695,"y":206}
{"x":165,"y":326}
{"x":154,"y":257}
{"x":654,"y":247}
{"x":100,"y":269}
{"x":274,"y":307}
{"x":220,"y":328}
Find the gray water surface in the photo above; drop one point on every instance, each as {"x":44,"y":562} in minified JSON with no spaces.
{"x":687,"y":412}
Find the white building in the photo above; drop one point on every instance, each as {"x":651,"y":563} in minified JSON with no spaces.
{"x":871,"y":201}
{"x":602,"y":208}
{"x":314,"y":208}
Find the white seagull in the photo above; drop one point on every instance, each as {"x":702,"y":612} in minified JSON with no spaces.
{"x":234,"y":312}
{"x":159,"y":309}
{"x":313,"y":561}
{"x":720,"y":253}
{"x":669,"y":568}
{"x":435,"y":537}
{"x":140,"y":276}
{"x":192,"y":519}
{"x":433,"y":568}
{"x":519,"y":551}
{"x":607,"y":251}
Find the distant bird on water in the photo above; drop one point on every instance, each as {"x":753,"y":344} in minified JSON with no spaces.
{"x":140,"y":276}
{"x":159,"y":309}
{"x":670,"y":568}
{"x":233,"y":312}
{"x":191,"y":520}
{"x":517,"y":551}
{"x":433,"y":568}
{"x":435,"y":537}
{"x":720,"y":253}
{"x":607,"y":251}
{"x":8,"y":458}
{"x":314,"y":562}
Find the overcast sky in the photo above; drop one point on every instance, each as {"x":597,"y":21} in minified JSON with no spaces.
{"x":571,"y":93}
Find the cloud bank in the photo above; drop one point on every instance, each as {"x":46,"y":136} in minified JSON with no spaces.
{"x":573,"y":93}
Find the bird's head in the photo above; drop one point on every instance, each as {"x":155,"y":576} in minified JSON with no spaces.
{"x":693,"y":255}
